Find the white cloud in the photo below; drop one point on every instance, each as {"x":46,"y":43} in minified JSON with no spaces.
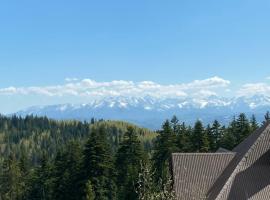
{"x":214,"y":82}
{"x":93,"y":89}
{"x":268,"y":78}
{"x":8,"y":90}
{"x":251,"y":89}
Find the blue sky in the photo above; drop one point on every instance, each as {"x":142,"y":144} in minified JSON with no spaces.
{"x":167,"y":42}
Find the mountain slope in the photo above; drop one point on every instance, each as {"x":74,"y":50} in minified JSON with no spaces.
{"x":150,"y":112}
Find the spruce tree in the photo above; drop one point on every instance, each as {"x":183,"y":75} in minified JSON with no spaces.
{"x":253,"y":123}
{"x":242,"y":128}
{"x":98,"y":164}
{"x":197,"y":136}
{"x":11,"y":180}
{"x":175,"y":124}
{"x":228,"y":141}
{"x":68,"y":172}
{"x":205,"y":143}
{"x":128,"y":159}
{"x":164,"y":146}
{"x":217,"y":134}
{"x":42,"y":180}
{"x":211,"y":138}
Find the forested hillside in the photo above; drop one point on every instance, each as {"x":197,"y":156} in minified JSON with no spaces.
{"x":102,"y":160}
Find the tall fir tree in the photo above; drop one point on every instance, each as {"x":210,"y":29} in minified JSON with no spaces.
{"x":184,"y":139}
{"x":217,"y":134}
{"x":242,"y":128}
{"x":253,"y":123}
{"x":11,"y":180}
{"x":98,"y":164}
{"x":211,"y":138}
{"x":197,"y":136}
{"x":228,"y":141}
{"x":175,"y":124}
{"x":128,"y":160}
{"x":205,"y":143}
{"x":42,"y":180}
{"x":68,"y":167}
{"x":164,"y":146}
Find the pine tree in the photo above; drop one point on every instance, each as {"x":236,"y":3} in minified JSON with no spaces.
{"x":205,"y":143}
{"x":197,"y":136}
{"x":175,"y":124}
{"x":164,"y":146}
{"x":42,"y":180}
{"x":68,"y":167}
{"x":228,"y":141}
{"x":253,"y":123}
{"x":211,"y":138}
{"x":98,"y":164}
{"x":242,"y":128}
{"x":187,"y":139}
{"x":217,"y":134}
{"x":128,"y":159}
{"x":11,"y":180}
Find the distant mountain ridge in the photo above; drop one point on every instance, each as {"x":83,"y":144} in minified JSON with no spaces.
{"x":150,"y":112}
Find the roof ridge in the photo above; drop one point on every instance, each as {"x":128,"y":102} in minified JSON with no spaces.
{"x":241,"y":162}
{"x":214,"y":153}
{"x":241,"y":155}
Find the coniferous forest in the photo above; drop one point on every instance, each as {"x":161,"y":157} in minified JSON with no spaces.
{"x":44,"y":159}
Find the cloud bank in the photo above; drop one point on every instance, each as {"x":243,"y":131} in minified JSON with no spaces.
{"x":93,"y":89}
{"x":214,"y":86}
{"x":252,"y":89}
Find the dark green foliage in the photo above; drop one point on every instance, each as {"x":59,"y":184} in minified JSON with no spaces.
{"x":11,"y":180}
{"x":253,"y":123}
{"x":43,"y":159}
{"x":217,"y":134}
{"x":184,"y":141}
{"x":228,"y":141}
{"x":197,"y":137}
{"x":68,"y":172}
{"x":211,"y":138}
{"x":165,"y":145}
{"x":128,"y":159}
{"x":242,"y":128}
{"x":41,"y":181}
{"x":98,"y":164}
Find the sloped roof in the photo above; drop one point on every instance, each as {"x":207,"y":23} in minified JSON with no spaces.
{"x":242,"y":151}
{"x":194,"y":173}
{"x":241,"y":174}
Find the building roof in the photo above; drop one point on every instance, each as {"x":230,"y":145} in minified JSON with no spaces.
{"x":241,"y":174}
{"x":195,"y":173}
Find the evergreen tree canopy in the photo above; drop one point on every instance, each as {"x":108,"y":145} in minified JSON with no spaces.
{"x":128,"y":159}
{"x":98,"y":164}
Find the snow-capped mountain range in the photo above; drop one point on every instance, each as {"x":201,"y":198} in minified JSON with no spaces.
{"x":151,"y":112}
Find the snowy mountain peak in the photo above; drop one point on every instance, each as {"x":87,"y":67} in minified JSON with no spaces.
{"x":149,"y":110}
